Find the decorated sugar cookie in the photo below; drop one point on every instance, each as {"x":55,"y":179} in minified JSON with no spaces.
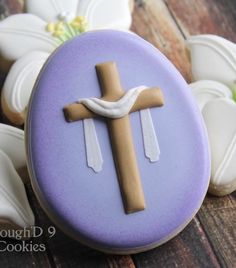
{"x":215,"y":101}
{"x":213,"y":58}
{"x":49,"y":23}
{"x":207,"y":90}
{"x":117,"y":150}
{"x":12,"y":143}
{"x":219,"y":116}
{"x":19,"y":83}
{"x":15,"y":211}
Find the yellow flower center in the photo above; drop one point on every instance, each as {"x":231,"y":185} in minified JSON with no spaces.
{"x":64,"y":31}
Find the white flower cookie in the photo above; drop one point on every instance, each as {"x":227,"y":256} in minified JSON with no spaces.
{"x":44,"y":28}
{"x":219,"y":116}
{"x":213,"y":58}
{"x":215,"y":101}
{"x":31,"y":38}
{"x":15,"y":211}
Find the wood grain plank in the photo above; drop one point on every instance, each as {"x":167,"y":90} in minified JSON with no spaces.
{"x":205,"y":17}
{"x":189,"y":249}
{"x":218,"y":216}
{"x":120,"y":262}
{"x":8,"y":7}
{"x":153,"y":21}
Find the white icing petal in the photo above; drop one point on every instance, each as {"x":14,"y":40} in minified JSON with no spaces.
{"x":12,"y":143}
{"x":14,"y":205}
{"x":213,"y":58}
{"x":219,"y":116}
{"x":93,"y":151}
{"x":114,"y":109}
{"x":207,"y":90}
{"x":51,"y":10}
{"x":102,"y":14}
{"x":20,"y":80}
{"x":151,"y":145}
{"x":23,"y":33}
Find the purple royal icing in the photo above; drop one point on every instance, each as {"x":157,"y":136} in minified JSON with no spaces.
{"x":89,"y":205}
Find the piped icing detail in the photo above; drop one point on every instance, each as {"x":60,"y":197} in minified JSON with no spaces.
{"x":112,"y":109}
{"x":213,"y":58}
{"x":116,"y":110}
{"x":93,"y":150}
{"x":219,"y":174}
{"x":207,"y":90}
{"x":116,"y":105}
{"x":151,"y":144}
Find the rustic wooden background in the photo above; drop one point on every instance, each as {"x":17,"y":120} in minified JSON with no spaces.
{"x":210,"y":239}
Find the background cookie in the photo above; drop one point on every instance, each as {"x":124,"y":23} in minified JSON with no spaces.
{"x":15,"y":211}
{"x":42,"y":27}
{"x":219,"y":116}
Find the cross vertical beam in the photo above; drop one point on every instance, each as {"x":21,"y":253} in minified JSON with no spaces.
{"x":122,"y":141}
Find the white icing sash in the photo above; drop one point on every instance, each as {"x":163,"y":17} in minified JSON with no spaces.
{"x":117,"y":110}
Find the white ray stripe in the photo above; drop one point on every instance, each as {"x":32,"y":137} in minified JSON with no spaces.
{"x":151,"y":145}
{"x":93,"y":151}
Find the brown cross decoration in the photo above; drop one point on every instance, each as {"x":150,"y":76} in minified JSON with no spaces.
{"x":120,"y":132}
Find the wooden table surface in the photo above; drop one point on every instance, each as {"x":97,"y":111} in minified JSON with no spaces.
{"x":210,"y":239}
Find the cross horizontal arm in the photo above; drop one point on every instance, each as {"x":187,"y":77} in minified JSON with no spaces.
{"x":151,"y":97}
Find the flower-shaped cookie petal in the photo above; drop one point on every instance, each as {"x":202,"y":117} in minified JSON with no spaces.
{"x":98,"y":13}
{"x":49,"y":10}
{"x":15,"y":211}
{"x":12,"y":143}
{"x":19,"y":84}
{"x":207,"y":90}
{"x":102,"y":14}
{"x":219,"y":116}
{"x":23,"y":33}
{"x":213,"y":58}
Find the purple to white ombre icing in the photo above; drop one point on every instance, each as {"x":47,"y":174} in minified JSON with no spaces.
{"x":88,"y":205}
